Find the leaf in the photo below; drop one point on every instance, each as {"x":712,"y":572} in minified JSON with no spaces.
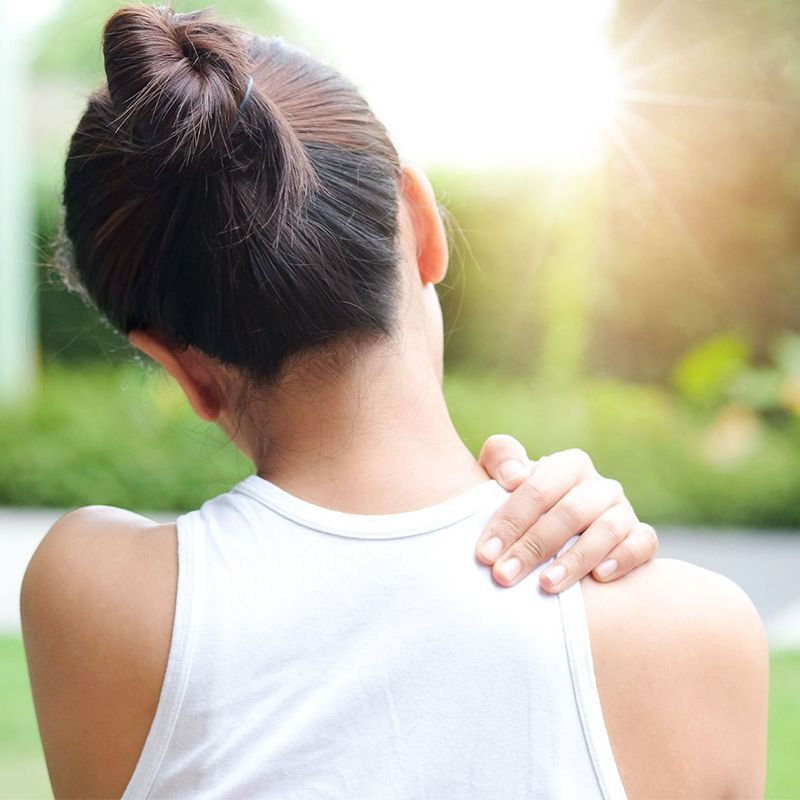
{"x":704,"y":375}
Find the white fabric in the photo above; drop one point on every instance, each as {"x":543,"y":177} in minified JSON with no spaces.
{"x":318,"y":654}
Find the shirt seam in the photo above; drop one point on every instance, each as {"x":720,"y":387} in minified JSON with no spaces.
{"x":587,"y":698}
{"x":179,"y":663}
{"x":279,"y":506}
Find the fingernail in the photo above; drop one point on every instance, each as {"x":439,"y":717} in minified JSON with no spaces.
{"x":512,"y":470}
{"x":510,"y":569}
{"x":607,"y":568}
{"x":556,"y":574}
{"x":492,"y":548}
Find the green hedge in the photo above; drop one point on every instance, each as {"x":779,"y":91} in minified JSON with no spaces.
{"x":119,"y":437}
{"x":126,"y":437}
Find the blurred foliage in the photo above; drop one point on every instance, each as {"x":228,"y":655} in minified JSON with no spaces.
{"x":675,"y":466}
{"x":677,"y":267}
{"x":693,"y":230}
{"x":704,"y":374}
{"x":127,"y":437}
{"x":68,"y":47}
{"x":721,"y":371}
{"x":69,"y":330}
{"x":703,"y":188}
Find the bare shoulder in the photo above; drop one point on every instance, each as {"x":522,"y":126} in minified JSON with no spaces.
{"x":682,"y":669}
{"x":667,"y":597}
{"x":97,"y":605}
{"x":97,"y":569}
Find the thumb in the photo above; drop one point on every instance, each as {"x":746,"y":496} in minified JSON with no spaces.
{"x":506,"y":460}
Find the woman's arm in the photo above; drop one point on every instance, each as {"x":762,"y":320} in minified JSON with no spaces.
{"x":553,"y":499}
{"x":97,"y":604}
{"x":682,"y":670}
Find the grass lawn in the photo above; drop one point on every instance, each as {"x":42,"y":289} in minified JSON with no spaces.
{"x":783,"y":766}
{"x":23,"y":775}
{"x":22,"y":771}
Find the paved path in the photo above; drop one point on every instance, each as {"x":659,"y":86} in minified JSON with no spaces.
{"x":21,"y":530}
{"x":765,"y":564}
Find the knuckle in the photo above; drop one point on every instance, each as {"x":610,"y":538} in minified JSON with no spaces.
{"x":533,"y":549}
{"x":580,"y":559}
{"x":626,"y":554}
{"x":650,"y":537}
{"x":614,"y":488}
{"x":506,"y":528}
{"x":580,"y":457}
{"x":569,"y":513}
{"x":534,"y":495}
{"x":641,"y":545}
{"x":609,"y":530}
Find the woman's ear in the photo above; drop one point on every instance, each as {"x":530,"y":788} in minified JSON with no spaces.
{"x":427,"y":224}
{"x":189,"y":369}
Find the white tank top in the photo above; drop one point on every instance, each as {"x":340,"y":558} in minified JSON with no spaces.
{"x":319,"y":654}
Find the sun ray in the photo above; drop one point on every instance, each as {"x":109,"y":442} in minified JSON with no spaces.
{"x":678,"y":145}
{"x":632,"y":75}
{"x":663,"y":201}
{"x":525,"y":289}
{"x":643,"y":31}
{"x":646,"y":97}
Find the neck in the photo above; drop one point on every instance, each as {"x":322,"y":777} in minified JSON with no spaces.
{"x":375,"y":439}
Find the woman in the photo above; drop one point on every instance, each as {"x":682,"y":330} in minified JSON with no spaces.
{"x":323,"y":629}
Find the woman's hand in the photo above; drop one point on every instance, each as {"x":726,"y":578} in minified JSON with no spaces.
{"x":553,"y":499}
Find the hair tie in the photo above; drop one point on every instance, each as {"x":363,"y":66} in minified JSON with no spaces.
{"x":245,"y":100}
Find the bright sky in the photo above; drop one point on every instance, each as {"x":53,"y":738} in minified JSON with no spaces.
{"x":500,"y":83}
{"x":481,"y":84}
{"x":27,"y":15}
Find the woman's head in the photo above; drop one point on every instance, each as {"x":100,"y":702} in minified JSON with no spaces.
{"x":248,"y":232}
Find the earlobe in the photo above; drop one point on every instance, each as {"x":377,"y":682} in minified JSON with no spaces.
{"x":197,"y":381}
{"x":432,"y":252}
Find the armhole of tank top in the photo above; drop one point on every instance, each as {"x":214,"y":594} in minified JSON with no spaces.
{"x":179,"y":661}
{"x":587,"y":697}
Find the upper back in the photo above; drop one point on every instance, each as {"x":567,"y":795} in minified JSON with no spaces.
{"x":315,"y":653}
{"x":321,"y":653}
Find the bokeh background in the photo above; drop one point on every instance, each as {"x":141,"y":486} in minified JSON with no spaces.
{"x":626,"y":248}
{"x":621,"y":182}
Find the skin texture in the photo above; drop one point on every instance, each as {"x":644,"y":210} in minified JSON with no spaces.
{"x":679,"y":652}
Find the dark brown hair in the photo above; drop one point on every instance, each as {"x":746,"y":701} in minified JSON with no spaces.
{"x":251,"y":235}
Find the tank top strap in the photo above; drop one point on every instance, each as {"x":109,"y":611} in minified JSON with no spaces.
{"x":587,"y":698}
{"x":191,"y":566}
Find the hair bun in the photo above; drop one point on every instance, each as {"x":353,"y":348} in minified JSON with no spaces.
{"x":175,"y":80}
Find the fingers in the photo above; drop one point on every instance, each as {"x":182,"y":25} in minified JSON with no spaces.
{"x":593,"y":548}
{"x":552,"y":478}
{"x":640,"y":545}
{"x":572,"y":514}
{"x":553,"y":499}
{"x":505,"y":459}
